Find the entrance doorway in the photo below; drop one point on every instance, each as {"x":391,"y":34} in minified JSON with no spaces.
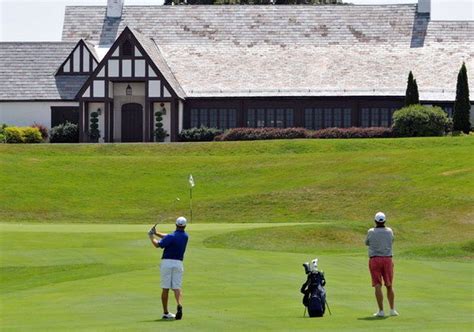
{"x":132,"y":122}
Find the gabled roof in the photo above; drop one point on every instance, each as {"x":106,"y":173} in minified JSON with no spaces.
{"x":27,"y":71}
{"x":150,"y":50}
{"x":88,"y":47}
{"x":156,"y":56}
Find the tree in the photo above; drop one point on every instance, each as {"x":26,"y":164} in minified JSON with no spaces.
{"x":462,"y":104}
{"x":411,"y":95}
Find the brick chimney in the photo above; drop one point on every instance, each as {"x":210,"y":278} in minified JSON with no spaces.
{"x":114,"y":8}
{"x":424,"y":6}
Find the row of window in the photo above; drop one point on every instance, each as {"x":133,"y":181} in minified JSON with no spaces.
{"x":270,"y":117}
{"x":222,"y":118}
{"x":376,"y":117}
{"x":317,"y":118}
{"x":314,"y":118}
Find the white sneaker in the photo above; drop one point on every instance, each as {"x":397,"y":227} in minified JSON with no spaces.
{"x":379,"y":314}
{"x":169,"y":315}
{"x":393,"y":312}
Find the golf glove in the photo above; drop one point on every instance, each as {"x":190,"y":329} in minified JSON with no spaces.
{"x":151,"y":231}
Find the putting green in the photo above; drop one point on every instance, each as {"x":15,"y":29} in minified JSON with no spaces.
{"x":105,"y":277}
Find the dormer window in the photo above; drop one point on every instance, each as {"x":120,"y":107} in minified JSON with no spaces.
{"x":127,"y":48}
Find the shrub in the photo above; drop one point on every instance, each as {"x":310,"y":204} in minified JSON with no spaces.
{"x":250,"y":134}
{"x":419,"y":120}
{"x":64,"y":133}
{"x":94,"y":132}
{"x":354,"y":132}
{"x":22,"y":135}
{"x":32,"y":135}
{"x":2,"y":133}
{"x":43,"y":130}
{"x":160,"y":133}
{"x":199,"y":134}
{"x":14,"y":135}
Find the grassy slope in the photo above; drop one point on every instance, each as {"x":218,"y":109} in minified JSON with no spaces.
{"x":278,"y":181}
{"x":104,"y":277}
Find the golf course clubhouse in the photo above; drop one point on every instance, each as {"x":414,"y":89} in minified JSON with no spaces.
{"x":232,"y":66}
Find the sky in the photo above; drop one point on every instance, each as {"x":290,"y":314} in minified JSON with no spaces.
{"x":42,"y":20}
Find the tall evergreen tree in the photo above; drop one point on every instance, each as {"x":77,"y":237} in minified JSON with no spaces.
{"x":462,"y":105}
{"x":411,"y":95}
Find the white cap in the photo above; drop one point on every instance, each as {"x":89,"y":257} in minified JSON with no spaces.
{"x":181,"y":221}
{"x":380,"y":217}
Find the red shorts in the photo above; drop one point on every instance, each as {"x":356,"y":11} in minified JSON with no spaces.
{"x":381,"y":268}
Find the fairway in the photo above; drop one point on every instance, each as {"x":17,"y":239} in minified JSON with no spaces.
{"x":104,"y":277}
{"x":74,"y":253}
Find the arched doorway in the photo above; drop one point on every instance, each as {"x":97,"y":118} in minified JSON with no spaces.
{"x":132,"y":122}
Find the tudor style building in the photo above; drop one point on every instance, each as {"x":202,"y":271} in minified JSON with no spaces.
{"x":232,"y":66}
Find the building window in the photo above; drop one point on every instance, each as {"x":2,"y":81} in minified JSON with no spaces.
{"x":365,"y":117}
{"x":328,"y":117}
{"x":61,"y":115}
{"x":127,"y":48}
{"x":222,"y":118}
{"x":270,"y":117}
{"x":260,"y":118}
{"x":347,"y":117}
{"x":194,"y":118}
{"x":384,"y":117}
{"x":251,"y":118}
{"x":375,"y":117}
{"x":213,"y":118}
{"x":337,"y":117}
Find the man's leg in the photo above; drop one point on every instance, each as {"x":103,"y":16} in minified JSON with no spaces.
{"x":379,"y":296}
{"x":391,"y":297}
{"x":164,"y":299}
{"x":178,"y":294}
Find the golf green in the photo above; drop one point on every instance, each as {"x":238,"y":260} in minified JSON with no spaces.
{"x":105,"y":277}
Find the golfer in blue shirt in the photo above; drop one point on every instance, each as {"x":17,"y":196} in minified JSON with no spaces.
{"x":171,"y":267}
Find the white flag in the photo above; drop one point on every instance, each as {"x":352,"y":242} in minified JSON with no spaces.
{"x":191,"y":180}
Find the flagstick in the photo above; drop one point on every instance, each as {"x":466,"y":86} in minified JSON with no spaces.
{"x":191,"y":202}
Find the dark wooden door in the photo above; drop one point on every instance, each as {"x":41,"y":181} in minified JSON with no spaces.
{"x":132,"y":123}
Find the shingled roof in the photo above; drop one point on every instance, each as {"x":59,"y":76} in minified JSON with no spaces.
{"x":267,"y":25}
{"x":27,"y":71}
{"x":219,"y":51}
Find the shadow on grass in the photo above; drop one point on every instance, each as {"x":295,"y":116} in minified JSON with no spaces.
{"x":372,"y":318}
{"x":159,"y":320}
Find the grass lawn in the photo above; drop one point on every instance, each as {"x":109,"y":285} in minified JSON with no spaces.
{"x":74,"y":254}
{"x":104,"y":277}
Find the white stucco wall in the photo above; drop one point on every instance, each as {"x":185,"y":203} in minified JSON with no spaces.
{"x":26,"y":113}
{"x":120,"y":98}
{"x":166,"y":117}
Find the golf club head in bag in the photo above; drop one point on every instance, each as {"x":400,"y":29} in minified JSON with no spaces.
{"x":311,"y":267}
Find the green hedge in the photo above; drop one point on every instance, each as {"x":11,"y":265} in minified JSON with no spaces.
{"x":22,"y":135}
{"x":419,"y":120}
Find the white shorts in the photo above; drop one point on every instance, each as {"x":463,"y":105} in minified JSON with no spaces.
{"x":171,"y":271}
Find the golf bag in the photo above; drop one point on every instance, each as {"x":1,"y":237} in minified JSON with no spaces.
{"x":314,"y":297}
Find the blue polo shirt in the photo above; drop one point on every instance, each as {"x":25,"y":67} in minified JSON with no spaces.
{"x":174,"y":245}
